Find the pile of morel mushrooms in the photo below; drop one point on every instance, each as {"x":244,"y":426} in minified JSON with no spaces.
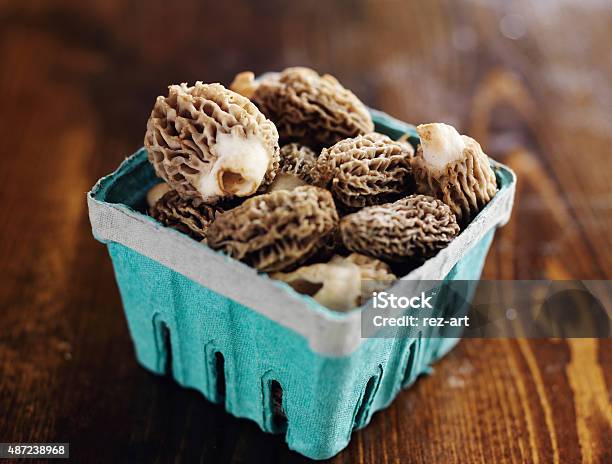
{"x":286,"y":173}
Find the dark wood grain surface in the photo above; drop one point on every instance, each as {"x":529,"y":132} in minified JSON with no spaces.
{"x":530,"y":80}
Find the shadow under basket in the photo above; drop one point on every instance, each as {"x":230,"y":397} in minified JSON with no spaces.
{"x":253,"y":344}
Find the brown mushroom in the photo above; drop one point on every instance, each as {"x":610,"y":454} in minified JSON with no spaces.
{"x":413,"y":228}
{"x":365,"y":170}
{"x":341,"y":284}
{"x":295,"y":166}
{"x":307,"y":107}
{"x":210,"y":143}
{"x":276,"y":231}
{"x":180,"y":214}
{"x":453,"y":168}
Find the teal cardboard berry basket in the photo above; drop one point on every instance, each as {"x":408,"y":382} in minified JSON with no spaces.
{"x":251,"y":343}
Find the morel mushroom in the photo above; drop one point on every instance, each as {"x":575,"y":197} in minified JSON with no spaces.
{"x":180,"y":214}
{"x":210,"y":143}
{"x":307,"y":107}
{"x":372,"y":268}
{"x":375,"y":275}
{"x":453,"y":168}
{"x":413,"y":228}
{"x":342,"y":283}
{"x":276,"y":231}
{"x":296,"y":163}
{"x":366,"y":170}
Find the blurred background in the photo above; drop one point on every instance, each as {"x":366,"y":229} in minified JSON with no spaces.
{"x":530,"y":80}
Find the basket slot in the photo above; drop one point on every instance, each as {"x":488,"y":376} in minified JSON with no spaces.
{"x":362,"y":415}
{"x":167,"y":366}
{"x":220,"y":377}
{"x":279,"y":418}
{"x":273,"y":404}
{"x":163,"y":342}
{"x":408,"y":368}
{"x":409,"y":364}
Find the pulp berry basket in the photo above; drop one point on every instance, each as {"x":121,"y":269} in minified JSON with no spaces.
{"x":251,"y":343}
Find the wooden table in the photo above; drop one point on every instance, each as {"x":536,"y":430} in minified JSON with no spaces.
{"x":530,"y":81}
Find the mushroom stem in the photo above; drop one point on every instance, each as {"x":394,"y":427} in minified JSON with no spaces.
{"x":244,"y":83}
{"x":442,"y":144}
{"x":239,"y":169}
{"x":156,"y":192}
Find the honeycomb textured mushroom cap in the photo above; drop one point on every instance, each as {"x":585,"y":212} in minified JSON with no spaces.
{"x":178,"y":213}
{"x":298,"y":160}
{"x":413,"y":228}
{"x":341,"y":284}
{"x":295,"y":166}
{"x":365,"y":170}
{"x":210,"y":143}
{"x":313,"y":109}
{"x":453,"y":168}
{"x":276,"y":231}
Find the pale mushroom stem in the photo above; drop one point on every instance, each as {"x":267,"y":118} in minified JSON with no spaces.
{"x":231,"y":182}
{"x":442,"y":144}
{"x":239,"y":169}
{"x":244,"y":83}
{"x":156,"y":192}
